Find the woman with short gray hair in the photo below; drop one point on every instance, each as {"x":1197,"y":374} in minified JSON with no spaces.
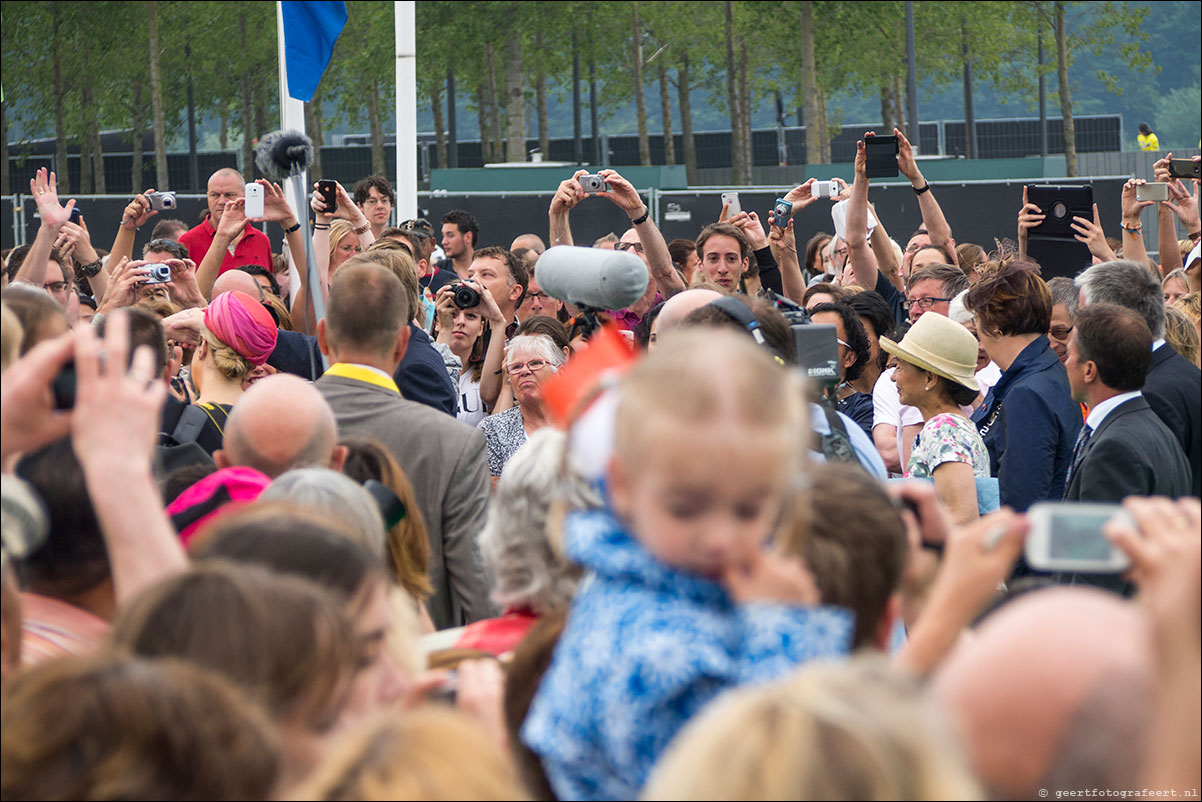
{"x":529,"y":361}
{"x":330,"y":493}
{"x":531,"y":576}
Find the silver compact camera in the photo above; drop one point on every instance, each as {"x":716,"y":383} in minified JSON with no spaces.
{"x":592,"y":183}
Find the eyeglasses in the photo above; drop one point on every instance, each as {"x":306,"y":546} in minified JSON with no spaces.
{"x":534,"y":366}
{"x":926,"y":303}
{"x":536,"y":296}
{"x":637,"y":247}
{"x":845,"y":345}
{"x":55,"y":286}
{"x":1060,"y":332}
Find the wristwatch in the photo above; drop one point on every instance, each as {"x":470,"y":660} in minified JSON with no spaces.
{"x":90,"y":271}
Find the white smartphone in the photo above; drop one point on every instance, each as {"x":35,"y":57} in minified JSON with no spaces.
{"x":825,"y":189}
{"x":1068,"y":537}
{"x":731,"y":201}
{"x":254,"y":200}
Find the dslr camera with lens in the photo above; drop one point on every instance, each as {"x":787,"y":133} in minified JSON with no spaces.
{"x":465,"y":296}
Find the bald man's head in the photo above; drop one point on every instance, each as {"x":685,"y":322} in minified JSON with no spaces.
{"x":282,"y":422}
{"x":1054,"y":691}
{"x":678,"y":307}
{"x":232,"y":280}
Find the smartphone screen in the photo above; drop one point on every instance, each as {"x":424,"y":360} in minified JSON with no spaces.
{"x":881,"y":155}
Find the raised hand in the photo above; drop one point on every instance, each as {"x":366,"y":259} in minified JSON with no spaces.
{"x":622,"y":193}
{"x":275,"y":206}
{"x":28,"y":419}
{"x":569,"y":193}
{"x":233,"y":219}
{"x":1090,"y":232}
{"x":138,"y":211}
{"x":1132,"y":206}
{"x":907,"y":165}
{"x":44,"y":188}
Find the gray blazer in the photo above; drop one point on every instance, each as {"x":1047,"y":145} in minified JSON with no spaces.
{"x":445,"y":461}
{"x":1131,"y":454}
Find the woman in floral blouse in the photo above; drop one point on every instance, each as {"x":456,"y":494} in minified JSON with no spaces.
{"x":936,"y":362}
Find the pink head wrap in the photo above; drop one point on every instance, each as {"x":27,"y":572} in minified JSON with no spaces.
{"x":218,"y":493}
{"x":243,"y":324}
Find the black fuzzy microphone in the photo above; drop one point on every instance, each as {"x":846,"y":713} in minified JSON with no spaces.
{"x":281,"y":152}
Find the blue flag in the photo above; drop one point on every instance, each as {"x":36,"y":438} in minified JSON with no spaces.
{"x":310,"y":30}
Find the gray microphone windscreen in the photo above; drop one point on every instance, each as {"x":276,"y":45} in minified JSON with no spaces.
{"x":278,"y":151}
{"x":600,"y":279}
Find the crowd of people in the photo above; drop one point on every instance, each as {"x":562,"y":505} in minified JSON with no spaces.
{"x":400,"y":524}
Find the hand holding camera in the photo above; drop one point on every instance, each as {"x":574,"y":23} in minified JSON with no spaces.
{"x":622,"y":193}
{"x":1090,"y":232}
{"x":139,"y":210}
{"x":233,"y":219}
{"x":569,"y":193}
{"x":123,"y":285}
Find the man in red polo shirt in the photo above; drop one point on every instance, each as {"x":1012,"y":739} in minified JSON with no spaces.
{"x":251,"y":247}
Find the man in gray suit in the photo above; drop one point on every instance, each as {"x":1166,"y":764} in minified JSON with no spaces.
{"x":1124,"y":449}
{"x":365,"y":334}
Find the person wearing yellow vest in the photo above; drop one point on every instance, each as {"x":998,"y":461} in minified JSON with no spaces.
{"x":1147,"y":139}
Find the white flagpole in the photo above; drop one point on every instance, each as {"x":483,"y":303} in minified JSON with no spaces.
{"x":406,"y":109}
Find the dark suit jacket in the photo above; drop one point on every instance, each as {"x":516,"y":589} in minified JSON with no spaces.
{"x":1174,"y":391}
{"x":444,"y":460}
{"x":1132,"y":453}
{"x":422,"y":375}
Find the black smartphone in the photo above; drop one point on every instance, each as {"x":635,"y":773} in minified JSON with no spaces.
{"x":76,"y":215}
{"x":1185,"y":168}
{"x":881,"y":154}
{"x":329,"y":194}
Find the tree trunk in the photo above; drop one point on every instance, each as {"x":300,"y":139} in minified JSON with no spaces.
{"x":888,"y":118}
{"x":261,"y":125}
{"x":732,"y":98}
{"x":540,"y":99}
{"x":494,"y":105}
{"x":378,"y":163}
{"x":91,"y":121}
{"x":970,"y":117}
{"x":686,"y":119}
{"x":313,"y":129}
{"x":824,"y":131}
{"x":515,"y":98}
{"x":1066,"y":100}
{"x":745,"y":110}
{"x":4,"y":178}
{"x":898,"y":104}
{"x":162,"y":180}
{"x":486,"y":152}
{"x":223,"y":135}
{"x":440,"y":133}
{"x":248,"y":124}
{"x":640,"y":98}
{"x":665,"y":106}
{"x":135,"y":173}
{"x":809,"y":86}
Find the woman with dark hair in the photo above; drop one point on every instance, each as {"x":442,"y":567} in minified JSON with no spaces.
{"x":813,"y":264}
{"x":936,"y":372}
{"x":464,"y":331}
{"x":1029,"y":420}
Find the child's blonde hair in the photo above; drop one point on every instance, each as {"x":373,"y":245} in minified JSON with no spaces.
{"x":698,"y":376}
{"x":854,"y":730}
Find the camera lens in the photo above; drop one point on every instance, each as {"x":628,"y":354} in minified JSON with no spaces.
{"x":1059,"y":210}
{"x":466,"y":297}
{"x":160,"y":274}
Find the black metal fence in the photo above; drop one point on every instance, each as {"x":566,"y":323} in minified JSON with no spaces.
{"x":996,"y":139}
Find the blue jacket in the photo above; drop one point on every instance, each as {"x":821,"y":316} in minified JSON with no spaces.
{"x":644,"y":649}
{"x":1029,"y":422}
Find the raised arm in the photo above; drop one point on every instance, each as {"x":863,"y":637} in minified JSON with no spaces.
{"x":1133,"y":234}
{"x":566,"y":197}
{"x":44,"y":189}
{"x":114,"y":432}
{"x":862,"y":259}
{"x":932,"y":215}
{"x":233,"y":221}
{"x":136,"y":213}
{"x":882,"y":248}
{"x":627,"y":198}
{"x":76,"y":240}
{"x":1029,"y":216}
{"x":784,"y":248}
{"x":492,"y":373}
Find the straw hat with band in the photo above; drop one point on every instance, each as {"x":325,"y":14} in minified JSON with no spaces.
{"x":941,"y":346}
